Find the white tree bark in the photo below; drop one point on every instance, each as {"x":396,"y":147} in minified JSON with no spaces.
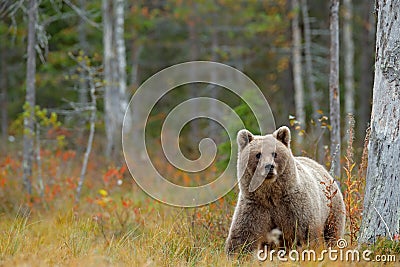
{"x":348,"y":45}
{"x":115,"y":98}
{"x":111,"y":96}
{"x":93,"y":106}
{"x":83,"y":45}
{"x":297,"y":62}
{"x":381,"y":214}
{"x":119,"y":7}
{"x":334,"y":92}
{"x":29,"y":131}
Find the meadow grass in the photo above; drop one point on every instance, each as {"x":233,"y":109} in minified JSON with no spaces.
{"x":117,"y":224}
{"x":157,"y":235}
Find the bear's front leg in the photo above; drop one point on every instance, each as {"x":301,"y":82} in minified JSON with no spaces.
{"x":240,"y":240}
{"x":248,"y":225}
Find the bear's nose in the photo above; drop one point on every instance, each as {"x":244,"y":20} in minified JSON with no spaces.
{"x":269,"y":167}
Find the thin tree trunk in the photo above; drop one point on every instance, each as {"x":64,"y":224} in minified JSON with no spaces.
{"x":348,"y":44}
{"x":334,"y":92}
{"x":92,"y":122}
{"x":121,"y":65}
{"x":29,"y":132}
{"x":366,"y":61}
{"x":83,"y":86}
{"x":3,"y":95}
{"x":111,"y":107}
{"x":297,"y":62}
{"x":137,"y":50}
{"x":83,"y":45}
{"x":381,"y":214}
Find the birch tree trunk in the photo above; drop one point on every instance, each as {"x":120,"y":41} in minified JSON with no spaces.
{"x":348,"y":44}
{"x":30,"y":98}
{"x":92,"y":121}
{"x":121,"y":64}
{"x":297,"y":73}
{"x":111,"y":96}
{"x":334,"y":92}
{"x":83,"y":85}
{"x":381,"y":213}
{"x":116,"y":99}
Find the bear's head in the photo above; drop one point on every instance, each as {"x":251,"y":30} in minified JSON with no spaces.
{"x":263,"y":160}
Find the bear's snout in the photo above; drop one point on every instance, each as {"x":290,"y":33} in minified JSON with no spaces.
{"x":269,"y":168}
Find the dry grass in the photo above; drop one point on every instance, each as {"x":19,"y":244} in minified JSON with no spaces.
{"x":166,"y":237}
{"x":114,"y":225}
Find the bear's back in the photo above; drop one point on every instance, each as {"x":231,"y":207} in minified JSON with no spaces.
{"x":309,"y":168}
{"x":315,"y":179}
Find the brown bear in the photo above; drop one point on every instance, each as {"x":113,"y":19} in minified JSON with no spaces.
{"x":295,"y":195}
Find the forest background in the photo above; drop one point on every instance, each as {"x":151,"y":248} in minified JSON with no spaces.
{"x":65,"y":193}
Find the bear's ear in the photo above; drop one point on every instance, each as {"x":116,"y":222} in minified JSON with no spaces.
{"x":283,"y":135}
{"x":243,"y":138}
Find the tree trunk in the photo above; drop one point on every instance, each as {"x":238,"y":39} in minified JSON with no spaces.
{"x":3,"y":94}
{"x":83,"y":45}
{"x":381,"y":215}
{"x":334,"y":92}
{"x":348,"y":56}
{"x":121,"y":64}
{"x":92,"y":121}
{"x":297,"y":73}
{"x":136,"y":51}
{"x":30,"y":98}
{"x":366,"y":61}
{"x":115,"y":97}
{"x":111,"y":97}
{"x":83,"y":86}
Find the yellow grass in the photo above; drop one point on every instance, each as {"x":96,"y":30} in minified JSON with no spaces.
{"x":164,"y":236}
{"x":114,"y":225}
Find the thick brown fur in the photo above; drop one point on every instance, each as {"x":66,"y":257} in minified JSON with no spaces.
{"x":289,"y":196}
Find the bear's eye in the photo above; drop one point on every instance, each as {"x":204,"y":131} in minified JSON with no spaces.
{"x":258,"y":155}
{"x":274,"y":155}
